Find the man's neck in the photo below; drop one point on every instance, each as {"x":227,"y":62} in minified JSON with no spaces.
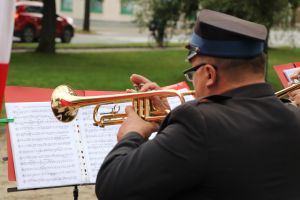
{"x":225,"y":86}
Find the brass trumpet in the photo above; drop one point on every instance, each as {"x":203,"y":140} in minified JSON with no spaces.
{"x":65,"y":104}
{"x":282,"y":93}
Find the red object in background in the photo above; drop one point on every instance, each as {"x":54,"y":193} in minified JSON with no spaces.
{"x":3,"y":77}
{"x":279,"y":69}
{"x":177,"y":86}
{"x":28,"y":23}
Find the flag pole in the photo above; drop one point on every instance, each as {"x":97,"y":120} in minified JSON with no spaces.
{"x":7,"y":13}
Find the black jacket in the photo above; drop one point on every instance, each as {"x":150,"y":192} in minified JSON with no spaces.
{"x":244,"y":144}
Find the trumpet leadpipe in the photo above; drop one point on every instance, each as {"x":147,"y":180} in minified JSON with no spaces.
{"x":282,"y":93}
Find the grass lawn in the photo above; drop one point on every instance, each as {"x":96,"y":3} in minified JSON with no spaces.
{"x":95,"y":71}
{"x":111,"y":71}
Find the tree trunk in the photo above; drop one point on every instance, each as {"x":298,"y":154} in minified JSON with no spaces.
{"x":160,"y":36}
{"x":47,"y":37}
{"x":293,"y":20}
{"x":86,"y":21}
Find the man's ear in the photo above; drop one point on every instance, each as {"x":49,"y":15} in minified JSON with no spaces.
{"x":211,"y":75}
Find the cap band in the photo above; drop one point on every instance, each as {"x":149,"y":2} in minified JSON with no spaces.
{"x":227,"y":48}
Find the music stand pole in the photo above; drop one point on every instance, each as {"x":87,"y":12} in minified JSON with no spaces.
{"x":75,"y":192}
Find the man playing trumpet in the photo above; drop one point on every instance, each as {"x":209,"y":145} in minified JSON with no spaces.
{"x":236,"y":140}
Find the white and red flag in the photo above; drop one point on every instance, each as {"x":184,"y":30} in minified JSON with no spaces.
{"x":7,"y":13}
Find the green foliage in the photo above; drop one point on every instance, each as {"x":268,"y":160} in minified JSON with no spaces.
{"x":294,"y":4}
{"x":164,"y":14}
{"x":161,"y":16}
{"x":267,"y":12}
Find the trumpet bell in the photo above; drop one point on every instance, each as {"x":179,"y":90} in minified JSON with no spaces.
{"x":61,"y":112}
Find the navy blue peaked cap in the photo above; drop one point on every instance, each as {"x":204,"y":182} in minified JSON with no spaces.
{"x":220,"y":35}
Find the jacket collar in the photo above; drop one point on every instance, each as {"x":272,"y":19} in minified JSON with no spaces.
{"x":248,"y":91}
{"x":253,"y":90}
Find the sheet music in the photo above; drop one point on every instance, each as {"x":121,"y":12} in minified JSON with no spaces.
{"x":44,"y":149}
{"x":97,"y":141}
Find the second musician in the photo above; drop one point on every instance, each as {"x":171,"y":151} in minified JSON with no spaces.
{"x":295,"y":95}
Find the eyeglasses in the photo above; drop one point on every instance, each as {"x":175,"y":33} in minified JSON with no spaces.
{"x":189,"y":73}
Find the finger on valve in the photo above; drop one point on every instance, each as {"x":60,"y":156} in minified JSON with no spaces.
{"x":138,"y":79}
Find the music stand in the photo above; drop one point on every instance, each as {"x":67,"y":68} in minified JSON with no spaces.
{"x":75,"y":191}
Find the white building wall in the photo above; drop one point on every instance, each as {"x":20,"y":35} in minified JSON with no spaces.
{"x":111,"y":11}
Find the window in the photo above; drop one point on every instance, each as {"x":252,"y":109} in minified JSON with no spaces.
{"x":66,"y":5}
{"x":34,"y":9}
{"x":127,"y":7}
{"x":96,"y":6}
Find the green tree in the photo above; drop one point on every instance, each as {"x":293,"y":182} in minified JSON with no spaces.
{"x":47,"y":38}
{"x":158,"y":16}
{"x":294,"y":4}
{"x":267,"y":12}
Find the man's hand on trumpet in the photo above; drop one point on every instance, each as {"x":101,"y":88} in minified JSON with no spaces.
{"x":294,"y":96}
{"x":144,"y":85}
{"x":134,"y":123}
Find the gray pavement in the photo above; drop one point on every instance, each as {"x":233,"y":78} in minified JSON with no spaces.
{"x":107,"y":32}
{"x":118,"y":33}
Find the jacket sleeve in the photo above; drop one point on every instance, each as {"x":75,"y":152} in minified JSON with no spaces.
{"x":171,"y":162}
